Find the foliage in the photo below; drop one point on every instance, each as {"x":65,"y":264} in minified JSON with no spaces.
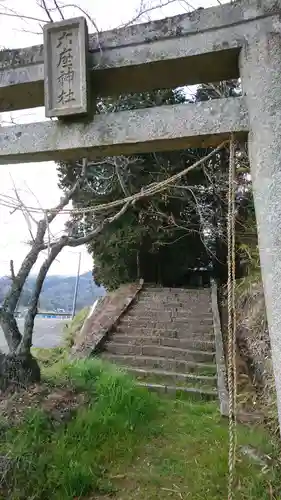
{"x":51,"y":359}
{"x":124,"y":441}
{"x":246,"y":236}
{"x":254,"y":343}
{"x":184,"y":225}
{"x":74,"y":460}
{"x":142,"y":242}
{"x":71,"y":329}
{"x":49,"y":356}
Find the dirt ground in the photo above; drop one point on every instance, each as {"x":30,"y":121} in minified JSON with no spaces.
{"x":58,"y":403}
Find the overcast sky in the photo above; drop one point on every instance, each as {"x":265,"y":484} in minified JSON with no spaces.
{"x":37,"y":182}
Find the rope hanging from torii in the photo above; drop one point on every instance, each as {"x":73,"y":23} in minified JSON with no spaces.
{"x":232,"y":375}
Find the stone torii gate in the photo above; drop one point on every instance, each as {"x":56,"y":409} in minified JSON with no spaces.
{"x":241,"y":39}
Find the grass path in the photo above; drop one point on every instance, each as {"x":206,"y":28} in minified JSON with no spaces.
{"x":189,"y":459}
{"x":128,"y":444}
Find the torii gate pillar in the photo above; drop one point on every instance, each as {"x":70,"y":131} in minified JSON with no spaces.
{"x":260,"y":69}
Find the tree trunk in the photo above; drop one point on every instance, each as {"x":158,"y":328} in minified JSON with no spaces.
{"x":9,"y":325}
{"x":18,"y":370}
{"x":10,"y":330}
{"x":26,"y":342}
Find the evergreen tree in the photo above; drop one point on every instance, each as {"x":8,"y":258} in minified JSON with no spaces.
{"x":161,"y":238}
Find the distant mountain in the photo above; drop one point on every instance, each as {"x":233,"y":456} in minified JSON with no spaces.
{"x":58,"y":292}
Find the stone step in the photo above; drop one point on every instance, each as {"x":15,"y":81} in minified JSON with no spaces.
{"x":176,"y":301}
{"x":161,"y":351}
{"x":173,"y":301}
{"x":178,"y":391}
{"x":166,"y":318}
{"x":169,"y":332}
{"x":186,"y":326}
{"x":160,"y":363}
{"x":170,"y":291}
{"x":180,"y":292}
{"x":192,"y":295}
{"x":164,"y":292}
{"x":168,"y":342}
{"x":171,"y":315}
{"x":174,"y":377}
{"x":180,"y":307}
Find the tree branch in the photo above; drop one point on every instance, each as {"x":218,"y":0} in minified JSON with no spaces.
{"x":26,"y":341}
{"x":12,"y":270}
{"x":21,"y":16}
{"x":120,"y":179}
{"x":70,"y":241}
{"x":143,"y":11}
{"x":52,"y":213}
{"x":45,"y":8}
{"x":58,"y":9}
{"x":86,"y":14}
{"x":75,"y":242}
{"x":24,"y":210}
{"x":12,"y":298}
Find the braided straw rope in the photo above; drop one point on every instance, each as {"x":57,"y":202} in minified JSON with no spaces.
{"x":232,"y":375}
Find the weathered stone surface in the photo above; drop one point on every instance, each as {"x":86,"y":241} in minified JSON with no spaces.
{"x":177,"y":390}
{"x":148,"y":349}
{"x":179,"y":317}
{"x":178,"y":353}
{"x":220,"y":359}
{"x":160,"y":128}
{"x":201,"y":46}
{"x":173,"y":377}
{"x":65,"y":67}
{"x":160,"y":352}
{"x":166,"y":331}
{"x":162,"y":363}
{"x":185,"y":343}
{"x":105,"y":313}
{"x":260,"y":72}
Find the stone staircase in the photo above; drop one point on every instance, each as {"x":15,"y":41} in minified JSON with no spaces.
{"x":166,"y":339}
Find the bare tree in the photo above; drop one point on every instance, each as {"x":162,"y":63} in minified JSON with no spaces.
{"x":19,"y":365}
{"x":54,"y":10}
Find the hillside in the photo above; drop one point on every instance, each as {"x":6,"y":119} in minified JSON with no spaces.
{"x":58,"y":291}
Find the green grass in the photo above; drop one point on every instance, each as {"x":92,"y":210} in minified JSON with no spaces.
{"x":61,"y":463}
{"x":71,"y":329}
{"x":131,"y":444}
{"x":49,"y":356}
{"x":51,"y":359}
{"x":189,"y":460}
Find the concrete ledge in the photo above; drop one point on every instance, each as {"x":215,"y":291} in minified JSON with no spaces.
{"x":154,"y":129}
{"x":198,"y":47}
{"x":175,"y":390}
{"x":162,"y":374}
{"x":220,"y":359}
{"x":103,"y":317}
